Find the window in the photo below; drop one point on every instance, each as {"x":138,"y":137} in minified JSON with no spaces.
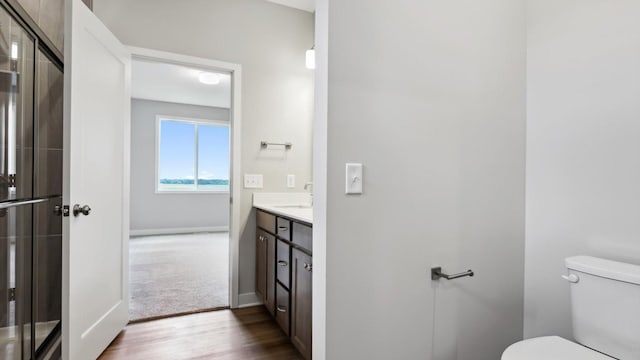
{"x":192,"y":155}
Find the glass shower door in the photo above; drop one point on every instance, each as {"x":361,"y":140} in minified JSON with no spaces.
{"x":47,"y":267}
{"x":16,"y":164}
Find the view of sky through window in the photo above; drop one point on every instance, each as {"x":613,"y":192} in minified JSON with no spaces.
{"x":177,"y":165}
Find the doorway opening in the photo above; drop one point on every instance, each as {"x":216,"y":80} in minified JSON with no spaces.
{"x":183,"y":134}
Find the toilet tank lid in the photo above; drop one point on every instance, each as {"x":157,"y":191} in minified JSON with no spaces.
{"x":609,"y":269}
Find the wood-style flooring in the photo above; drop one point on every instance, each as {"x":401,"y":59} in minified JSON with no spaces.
{"x":242,"y":334}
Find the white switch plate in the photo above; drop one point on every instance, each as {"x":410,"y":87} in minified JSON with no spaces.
{"x":253,"y":181}
{"x":353,"y":179}
{"x":291,"y":181}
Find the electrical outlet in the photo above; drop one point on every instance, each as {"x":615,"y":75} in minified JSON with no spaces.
{"x":291,"y":181}
{"x":253,"y":181}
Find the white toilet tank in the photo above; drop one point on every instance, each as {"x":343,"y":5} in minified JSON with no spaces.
{"x":605,"y":299}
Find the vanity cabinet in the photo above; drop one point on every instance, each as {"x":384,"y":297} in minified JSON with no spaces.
{"x":284,"y":268}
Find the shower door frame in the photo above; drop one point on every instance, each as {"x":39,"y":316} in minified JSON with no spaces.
{"x":235,"y":121}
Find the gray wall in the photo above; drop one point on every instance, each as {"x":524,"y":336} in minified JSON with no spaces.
{"x":430,"y":96}
{"x":583,"y":146}
{"x":269,"y":41}
{"x":151,"y":211}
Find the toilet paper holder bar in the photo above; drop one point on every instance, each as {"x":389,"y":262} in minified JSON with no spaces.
{"x":437,"y":274}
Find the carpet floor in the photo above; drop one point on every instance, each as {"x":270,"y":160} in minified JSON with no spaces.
{"x":173,"y":274}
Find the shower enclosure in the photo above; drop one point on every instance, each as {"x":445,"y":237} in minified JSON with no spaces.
{"x":31,"y":115}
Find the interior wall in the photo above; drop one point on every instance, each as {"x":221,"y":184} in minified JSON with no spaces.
{"x":269,"y":41}
{"x":151,"y":211}
{"x":583,"y":141}
{"x":430,"y":97}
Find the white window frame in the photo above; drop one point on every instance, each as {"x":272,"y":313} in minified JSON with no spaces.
{"x":196,"y":122}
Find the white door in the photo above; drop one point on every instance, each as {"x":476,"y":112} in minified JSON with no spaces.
{"x":96,"y":152}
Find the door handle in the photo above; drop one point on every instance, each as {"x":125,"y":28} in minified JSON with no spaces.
{"x":84,"y":210}
{"x":437,"y":274}
{"x":281,"y":309}
{"x":282,"y":263}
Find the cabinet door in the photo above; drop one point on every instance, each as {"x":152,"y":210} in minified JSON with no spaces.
{"x":261,"y":265}
{"x":266,"y":269}
{"x":301,"y":302}
{"x":270,"y":296}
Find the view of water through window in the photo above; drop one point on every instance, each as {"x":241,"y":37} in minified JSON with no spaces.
{"x":193,"y":156}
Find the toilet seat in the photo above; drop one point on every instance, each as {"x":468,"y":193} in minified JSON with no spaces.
{"x":551,"y":348}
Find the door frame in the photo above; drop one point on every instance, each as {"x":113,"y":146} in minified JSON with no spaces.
{"x":235,"y":121}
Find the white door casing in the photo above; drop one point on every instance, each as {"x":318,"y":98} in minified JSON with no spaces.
{"x":236,"y":145}
{"x":96,"y":173}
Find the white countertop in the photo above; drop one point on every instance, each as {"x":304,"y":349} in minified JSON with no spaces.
{"x":296,"y":206}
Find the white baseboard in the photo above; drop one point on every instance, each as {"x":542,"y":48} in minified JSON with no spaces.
{"x":248,"y":300}
{"x":169,"y":231}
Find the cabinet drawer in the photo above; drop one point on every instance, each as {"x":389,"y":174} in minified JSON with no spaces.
{"x":284,"y":228}
{"x":282,"y":308}
{"x":303,"y":236}
{"x":266,"y":221}
{"x":283,"y":268}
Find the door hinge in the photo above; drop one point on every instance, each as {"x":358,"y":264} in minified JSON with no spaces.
{"x":12,"y":294}
{"x":65,"y":210}
{"x":12,"y":180}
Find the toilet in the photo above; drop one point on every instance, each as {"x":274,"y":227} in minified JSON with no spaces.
{"x":605,"y":307}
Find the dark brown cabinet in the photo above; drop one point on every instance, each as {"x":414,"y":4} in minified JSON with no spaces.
{"x":301,"y":285}
{"x":284,"y":273}
{"x":265,"y":270}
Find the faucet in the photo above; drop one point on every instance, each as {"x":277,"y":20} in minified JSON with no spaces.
{"x":309,"y":186}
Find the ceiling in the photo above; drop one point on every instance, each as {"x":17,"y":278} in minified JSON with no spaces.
{"x":177,"y":84}
{"x":306,"y":5}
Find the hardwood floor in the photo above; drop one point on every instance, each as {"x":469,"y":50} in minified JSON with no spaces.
{"x":242,"y":334}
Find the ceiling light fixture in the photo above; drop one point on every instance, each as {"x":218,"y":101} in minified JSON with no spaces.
{"x":310,"y":58}
{"x":209,"y":78}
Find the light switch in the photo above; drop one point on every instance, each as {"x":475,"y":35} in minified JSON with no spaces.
{"x":253,"y":181}
{"x":353,"y":179}
{"x":291,"y":181}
